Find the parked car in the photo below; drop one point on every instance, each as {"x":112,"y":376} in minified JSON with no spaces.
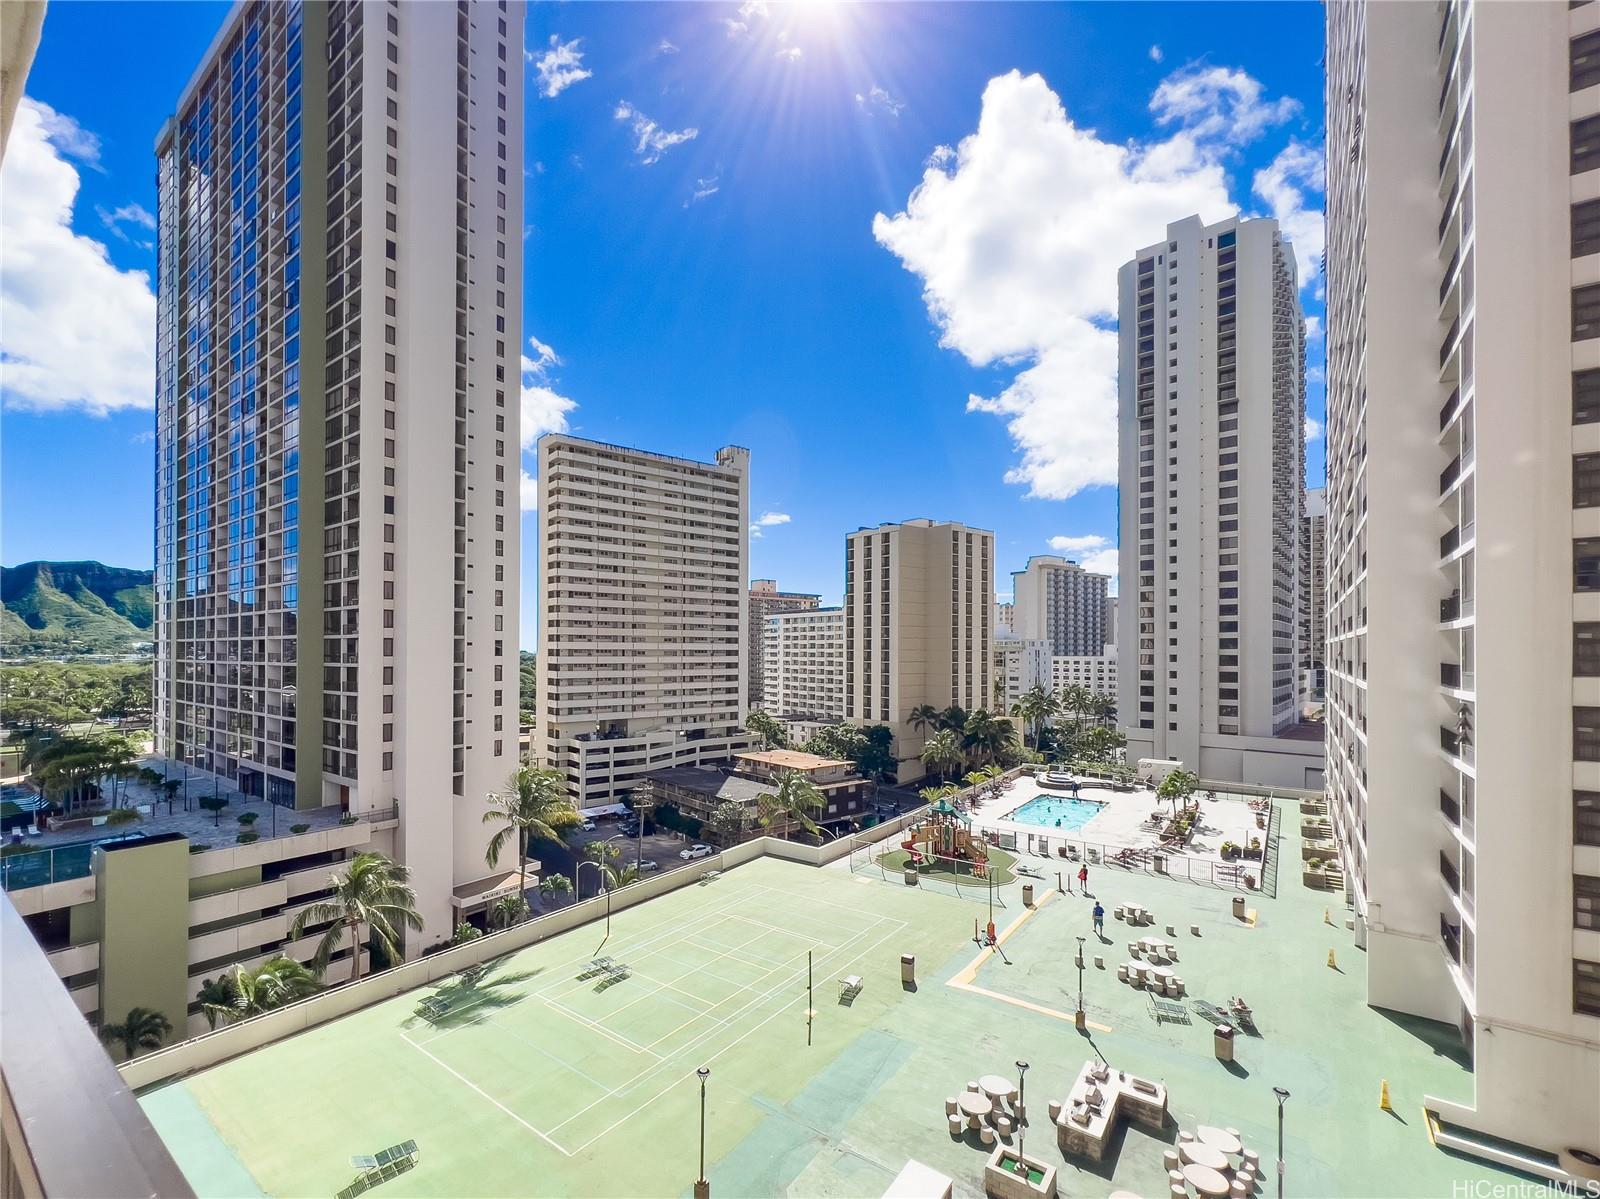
{"x":695,"y":851}
{"x":587,"y":825}
{"x":646,"y":866}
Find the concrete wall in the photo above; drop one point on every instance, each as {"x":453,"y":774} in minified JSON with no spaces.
{"x":143,"y":902}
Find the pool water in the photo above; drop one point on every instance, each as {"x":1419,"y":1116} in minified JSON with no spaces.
{"x":1067,"y":815}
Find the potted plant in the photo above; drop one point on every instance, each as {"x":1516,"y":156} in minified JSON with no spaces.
{"x":299,"y":828}
{"x":1012,"y":1175}
{"x":249,"y":818}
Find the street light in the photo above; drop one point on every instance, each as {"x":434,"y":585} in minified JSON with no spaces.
{"x":1282,"y":1095}
{"x":601,"y":880}
{"x":1081,"y":1019}
{"x":1022,"y":1111}
{"x":702,"y":1188}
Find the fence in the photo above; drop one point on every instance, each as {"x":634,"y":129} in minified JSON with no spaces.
{"x":1066,"y":852}
{"x":39,"y":867}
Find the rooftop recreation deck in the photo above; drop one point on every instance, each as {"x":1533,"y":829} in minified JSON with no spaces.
{"x":568,"y":1067}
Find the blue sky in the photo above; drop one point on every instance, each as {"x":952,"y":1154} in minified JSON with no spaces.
{"x":875,"y":244}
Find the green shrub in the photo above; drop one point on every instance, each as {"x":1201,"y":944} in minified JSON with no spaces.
{"x":247,"y":838}
{"x":249,"y":818}
{"x":299,"y":828}
{"x":194,"y":848}
{"x":347,"y":818}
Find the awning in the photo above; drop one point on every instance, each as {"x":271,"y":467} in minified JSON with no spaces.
{"x":482,"y":891}
{"x":610,"y":809}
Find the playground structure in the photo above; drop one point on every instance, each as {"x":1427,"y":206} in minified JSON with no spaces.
{"x":946,"y":834}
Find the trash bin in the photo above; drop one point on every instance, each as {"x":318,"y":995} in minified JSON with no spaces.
{"x":1027,"y":895}
{"x":908,"y":968}
{"x":911,"y":876}
{"x":1238,"y":907}
{"x":1222,"y":1042}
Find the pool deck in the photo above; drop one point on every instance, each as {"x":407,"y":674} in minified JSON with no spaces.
{"x":1119,"y":821}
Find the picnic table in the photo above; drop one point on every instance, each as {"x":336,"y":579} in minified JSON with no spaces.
{"x":975,"y":1104}
{"x":1206,"y":1179}
{"x":1218,"y":1138}
{"x":1200,"y":1154}
{"x":997,"y":1087}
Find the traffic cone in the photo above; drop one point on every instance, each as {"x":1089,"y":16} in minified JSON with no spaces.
{"x":1383,"y":1097}
{"x":1325,"y":917}
{"x":1332,"y":965}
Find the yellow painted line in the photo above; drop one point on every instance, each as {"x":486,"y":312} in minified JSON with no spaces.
{"x":1023,"y":1003}
{"x":1432,"y":1124}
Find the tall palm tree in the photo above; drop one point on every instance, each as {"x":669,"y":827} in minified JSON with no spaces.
{"x":1035,"y":706}
{"x":923,"y":717}
{"x":536,"y":807}
{"x":373,"y":891}
{"x":978,"y":733}
{"x":271,"y":985}
{"x":507,"y":910}
{"x":217,"y":997}
{"x":942,"y":753}
{"x":551,"y":885}
{"x":143,"y":1028}
{"x":953,"y":718}
{"x":795,"y":799}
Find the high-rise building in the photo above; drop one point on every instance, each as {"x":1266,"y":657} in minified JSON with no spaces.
{"x":1096,"y":673}
{"x":1058,"y":602}
{"x":1004,"y":615}
{"x":1464,"y":145}
{"x":642,"y":612}
{"x":803,"y":665}
{"x":1313,"y":593}
{"x":1212,"y":464}
{"x":918,"y":612}
{"x":1110,"y":621}
{"x":766,"y":600}
{"x":338,"y":327}
{"x":1019,"y":666}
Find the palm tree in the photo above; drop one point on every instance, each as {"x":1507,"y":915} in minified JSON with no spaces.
{"x":143,"y":1028}
{"x":977,"y":733}
{"x":942,"y":753}
{"x":507,"y":910}
{"x":374,"y":892}
{"x":794,"y":800}
{"x":953,"y":718}
{"x":271,"y":985}
{"x":217,"y":997}
{"x":551,"y":885}
{"x":923,"y":717}
{"x":537,"y":807}
{"x":1035,"y":706}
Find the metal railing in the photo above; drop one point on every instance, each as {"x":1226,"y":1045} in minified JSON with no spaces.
{"x":40,"y":867}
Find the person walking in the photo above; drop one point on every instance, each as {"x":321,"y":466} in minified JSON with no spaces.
{"x":1099,"y":920}
{"x":1083,"y":878}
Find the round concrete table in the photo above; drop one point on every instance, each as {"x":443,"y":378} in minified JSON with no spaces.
{"x":1218,"y":1138}
{"x":996,"y":1087}
{"x":1198,"y":1153}
{"x":1206,"y":1180}
{"x":975,"y":1103}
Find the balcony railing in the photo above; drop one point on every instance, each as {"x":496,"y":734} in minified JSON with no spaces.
{"x":1448,"y":872}
{"x":1450,"y":474}
{"x":59,"y":865}
{"x":1449,"y":673}
{"x":1449,"y":409}
{"x":1449,"y":342}
{"x":1450,"y":936}
{"x":1450,"y":808}
{"x":1450,"y":542}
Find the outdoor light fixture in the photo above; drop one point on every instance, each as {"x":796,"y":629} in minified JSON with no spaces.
{"x":1081,"y":1020}
{"x":1022,"y":1097}
{"x":1282,"y":1095}
{"x":702,"y":1188}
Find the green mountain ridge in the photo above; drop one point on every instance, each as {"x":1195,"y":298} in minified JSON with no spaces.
{"x":57,"y":608}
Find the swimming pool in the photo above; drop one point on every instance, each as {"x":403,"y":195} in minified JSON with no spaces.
{"x":1047,"y":811}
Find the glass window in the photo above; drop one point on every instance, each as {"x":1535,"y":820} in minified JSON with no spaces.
{"x":1584,"y":144}
{"x":1586,"y":817}
{"x":1585,"y":397}
{"x":1586,"y":563}
{"x":1586,"y":480}
{"x":1586,"y":987}
{"x":1586,"y":312}
{"x":1586,"y":734}
{"x":1584,"y":62}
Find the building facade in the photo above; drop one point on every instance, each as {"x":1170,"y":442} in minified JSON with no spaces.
{"x":697,"y":791}
{"x":337,"y":419}
{"x":1313,"y":595}
{"x":766,"y":600}
{"x":1211,"y":410}
{"x":803,"y":665}
{"x":642,"y":612}
{"x":1463,"y":201}
{"x":1058,"y":602}
{"x":918,"y":612}
{"x":1004,"y":616}
{"x":1018,"y":666}
{"x":1097,"y":673}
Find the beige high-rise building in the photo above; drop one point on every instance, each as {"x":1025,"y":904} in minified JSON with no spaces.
{"x":918,"y":612}
{"x":766,"y":600}
{"x":1060,"y":603}
{"x":1212,"y":462}
{"x":338,"y":328}
{"x":803,"y":666}
{"x":1464,"y":310}
{"x":642,"y":612}
{"x":1313,"y":594}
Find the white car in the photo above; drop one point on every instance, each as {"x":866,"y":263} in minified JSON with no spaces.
{"x":696,"y":851}
{"x":587,"y":825}
{"x":646,"y":866}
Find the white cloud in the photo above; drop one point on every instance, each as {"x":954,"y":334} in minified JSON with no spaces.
{"x":650,"y":140}
{"x":1102,"y":562}
{"x":132,"y":214}
{"x":939,"y":156}
{"x":544,"y":357}
{"x":1017,"y":238}
{"x":749,"y":13}
{"x":75,"y":331}
{"x":703,"y":188}
{"x":1313,"y":429}
{"x":1289,"y":184}
{"x":1313,"y":327}
{"x":560,"y":66}
{"x":1079,"y":545}
{"x":1218,"y":103}
{"x":766,"y":521}
{"x":543,"y":409}
{"x":789,"y":53}
{"x":530,"y":493}
{"x":1155,"y":54}
{"x":878,"y":99}
{"x":666,"y":47}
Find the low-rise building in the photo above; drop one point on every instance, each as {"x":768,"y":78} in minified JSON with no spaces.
{"x":697,"y":791}
{"x":1096,"y":672}
{"x":1019,"y":666}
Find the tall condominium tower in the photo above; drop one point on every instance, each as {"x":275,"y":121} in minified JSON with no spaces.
{"x":642,"y":612}
{"x":1313,"y":593}
{"x":918,"y":626}
{"x":1061,"y":604}
{"x":804,"y":664}
{"x":338,"y":319}
{"x":1211,"y":410}
{"x":1464,"y":145}
{"x":766,"y":600}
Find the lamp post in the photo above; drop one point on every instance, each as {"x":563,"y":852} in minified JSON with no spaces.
{"x":1022,"y":1097}
{"x":1282,"y":1095}
{"x":702,"y":1188}
{"x":1081,"y":1020}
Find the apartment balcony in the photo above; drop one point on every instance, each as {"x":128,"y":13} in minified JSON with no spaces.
{"x":1450,"y":809}
{"x":1455,"y":745}
{"x":1450,"y":938}
{"x":1449,"y":675}
{"x":1457,"y":538}
{"x":1450,"y":875}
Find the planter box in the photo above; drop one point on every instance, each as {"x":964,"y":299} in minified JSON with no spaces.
{"x":1326,"y":850}
{"x":1000,"y":1180}
{"x":1314,"y":879}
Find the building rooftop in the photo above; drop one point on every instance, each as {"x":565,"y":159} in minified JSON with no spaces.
{"x":791,"y":759}
{"x":579,"y":1071}
{"x":713,"y":782}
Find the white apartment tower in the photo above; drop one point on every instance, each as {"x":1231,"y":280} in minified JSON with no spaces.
{"x":1212,"y":461}
{"x":803,"y":664}
{"x":1061,"y":604}
{"x":1464,"y":310}
{"x":1313,"y":593}
{"x":1019,"y":666}
{"x":918,"y":612}
{"x":642,"y":612}
{"x":766,"y":600}
{"x":338,"y":328}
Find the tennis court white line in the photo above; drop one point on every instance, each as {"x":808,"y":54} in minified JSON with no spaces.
{"x":463,"y":1078}
{"x":557,"y":1058}
{"x":664,"y":985}
{"x":599,"y":1028}
{"x":743,"y":1036}
{"x":803,"y":938}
